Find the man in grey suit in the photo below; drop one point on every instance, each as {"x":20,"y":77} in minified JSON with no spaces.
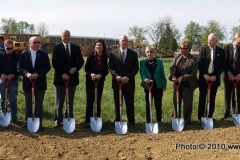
{"x":231,"y":72}
{"x":123,"y":65}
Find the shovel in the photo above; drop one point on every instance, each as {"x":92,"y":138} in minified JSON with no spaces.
{"x":120,"y":127}
{"x":151,"y":127}
{"x":177,"y":123}
{"x":33,"y":122}
{"x":207,"y":123}
{"x":68,"y":123}
{"x":5,"y":117}
{"x":236,"y":116}
{"x":95,"y":122}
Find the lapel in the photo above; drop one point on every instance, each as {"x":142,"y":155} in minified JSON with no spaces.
{"x":231,"y":51}
{"x":37,"y":58}
{"x":29,"y":58}
{"x":208,"y":53}
{"x":119,"y":56}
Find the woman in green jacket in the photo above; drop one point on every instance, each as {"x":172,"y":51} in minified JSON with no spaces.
{"x":152,"y":71}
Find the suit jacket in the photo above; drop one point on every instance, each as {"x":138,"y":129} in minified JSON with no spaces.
{"x":229,"y":60}
{"x":9,"y":68}
{"x":62,"y":65}
{"x":190,"y":70}
{"x":204,"y":59}
{"x":129,"y":68}
{"x":90,"y":65}
{"x":41,"y":67}
{"x":159,"y":74}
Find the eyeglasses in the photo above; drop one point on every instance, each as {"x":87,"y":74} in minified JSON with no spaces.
{"x":183,"y":48}
{"x":149,"y":51}
{"x":9,"y":48}
{"x":36,"y":42}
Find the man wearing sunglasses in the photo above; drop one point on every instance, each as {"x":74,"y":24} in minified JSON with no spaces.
{"x":231,"y":73}
{"x":34,"y":65}
{"x":9,"y":76}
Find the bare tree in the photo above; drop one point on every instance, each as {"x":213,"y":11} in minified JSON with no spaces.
{"x":42,"y":29}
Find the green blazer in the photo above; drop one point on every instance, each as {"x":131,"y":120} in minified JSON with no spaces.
{"x":159,"y":74}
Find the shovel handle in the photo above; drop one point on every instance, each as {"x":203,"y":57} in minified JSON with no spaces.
{"x":67,"y":97}
{"x":33,"y":96}
{"x":6,"y":96}
{"x":120,"y":83}
{"x":95,"y":97}
{"x":149,"y":86}
{"x":235,"y":83}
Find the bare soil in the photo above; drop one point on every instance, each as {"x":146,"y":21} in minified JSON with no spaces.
{"x":18,"y":143}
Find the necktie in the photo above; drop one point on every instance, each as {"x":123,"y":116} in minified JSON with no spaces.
{"x":210,"y":67}
{"x":235,"y":57}
{"x":123,"y":57}
{"x":68,"y":53}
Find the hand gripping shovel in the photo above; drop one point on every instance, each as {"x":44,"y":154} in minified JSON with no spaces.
{"x":177,"y":123}
{"x":236,"y":116}
{"x":120,"y":127}
{"x":95,"y":122}
{"x":207,"y":123}
{"x":151,"y":127}
{"x":33,"y":122}
{"x":68,"y":123}
{"x":5,"y":117}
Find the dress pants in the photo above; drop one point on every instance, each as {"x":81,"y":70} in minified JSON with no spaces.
{"x":39,"y":97}
{"x":90,"y":88}
{"x":128,"y":95}
{"x":60,"y":96}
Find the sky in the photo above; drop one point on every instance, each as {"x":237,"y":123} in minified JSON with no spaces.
{"x":113,"y":18}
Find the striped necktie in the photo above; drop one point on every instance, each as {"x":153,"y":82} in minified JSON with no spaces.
{"x":210,"y":67}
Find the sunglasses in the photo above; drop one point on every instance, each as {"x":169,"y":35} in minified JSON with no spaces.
{"x":36,"y":42}
{"x":149,"y":51}
{"x":9,"y":48}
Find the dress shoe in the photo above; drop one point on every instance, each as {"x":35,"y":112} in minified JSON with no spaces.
{"x":56,"y":124}
{"x":225,"y":116}
{"x":88,"y":126}
{"x":42,"y":128}
{"x":24,"y":126}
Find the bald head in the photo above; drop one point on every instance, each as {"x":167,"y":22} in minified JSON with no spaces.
{"x":65,"y":36}
{"x":212,"y":40}
{"x":123,"y":42}
{"x":236,"y":40}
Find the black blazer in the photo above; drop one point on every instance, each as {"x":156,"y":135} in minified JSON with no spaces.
{"x":9,"y":68}
{"x":41,"y":67}
{"x":229,"y":60}
{"x":204,"y":59}
{"x":62,"y":65}
{"x":90,"y":65}
{"x":129,"y":68}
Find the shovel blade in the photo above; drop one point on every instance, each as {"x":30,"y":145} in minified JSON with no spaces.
{"x":236,"y":119}
{"x":69,"y":125}
{"x":151,"y":128}
{"x":207,"y":123}
{"x":33,"y":124}
{"x":96,"y":124}
{"x":121,"y":127}
{"x":178,"y":124}
{"x":5,"y":119}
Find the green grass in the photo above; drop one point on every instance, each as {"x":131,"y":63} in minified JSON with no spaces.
{"x":108,"y":105}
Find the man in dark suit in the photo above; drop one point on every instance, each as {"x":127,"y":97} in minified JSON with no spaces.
{"x":34,"y":65}
{"x":231,"y":72}
{"x":67,"y":60}
{"x":123,"y":65}
{"x":211,"y":62}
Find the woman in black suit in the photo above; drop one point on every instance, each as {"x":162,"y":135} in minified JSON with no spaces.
{"x":96,"y":69}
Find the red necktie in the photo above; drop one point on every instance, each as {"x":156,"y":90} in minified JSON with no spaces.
{"x":68,"y":53}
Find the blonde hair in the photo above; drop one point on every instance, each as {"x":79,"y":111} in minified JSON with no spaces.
{"x":186,"y":43}
{"x":149,"y":48}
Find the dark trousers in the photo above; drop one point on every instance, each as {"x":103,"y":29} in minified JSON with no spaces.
{"x":90,"y":90}
{"x":185,"y":95}
{"x":128,"y":96}
{"x":157,"y":95}
{"x":202,"y":99}
{"x":39,"y":97}
{"x":229,"y":95}
{"x":60,"y":96}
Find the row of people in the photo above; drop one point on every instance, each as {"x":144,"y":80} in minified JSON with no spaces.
{"x":123,"y":64}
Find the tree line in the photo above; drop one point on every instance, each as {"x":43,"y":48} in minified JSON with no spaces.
{"x":11,"y":26}
{"x":165,"y":36}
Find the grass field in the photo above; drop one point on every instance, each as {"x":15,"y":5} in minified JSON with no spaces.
{"x":108,"y":103}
